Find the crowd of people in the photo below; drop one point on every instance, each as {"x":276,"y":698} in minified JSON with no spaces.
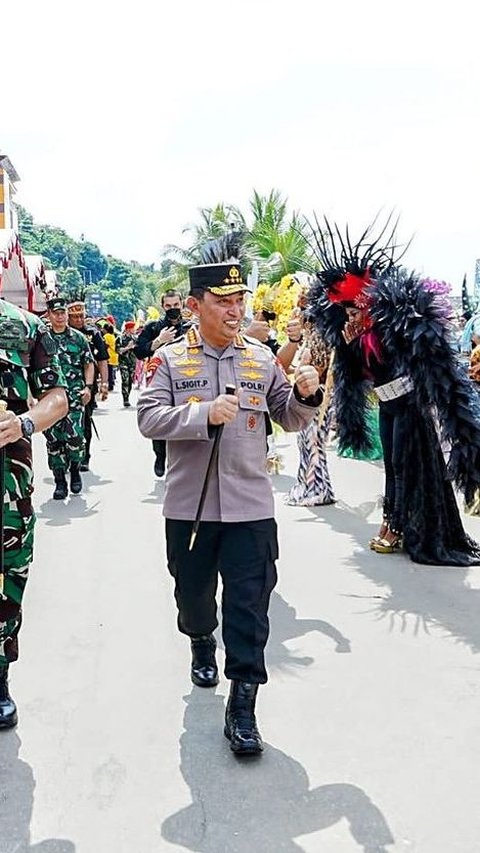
{"x":370,"y":355}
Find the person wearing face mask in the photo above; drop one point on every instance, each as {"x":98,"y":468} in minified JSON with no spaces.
{"x":154,"y":335}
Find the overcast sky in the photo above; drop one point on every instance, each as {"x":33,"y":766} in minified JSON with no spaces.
{"x":123,"y":119}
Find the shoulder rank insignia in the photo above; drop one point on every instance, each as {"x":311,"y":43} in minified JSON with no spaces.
{"x":193,"y":338}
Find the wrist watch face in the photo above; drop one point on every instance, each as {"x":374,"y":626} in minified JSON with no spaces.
{"x":28,"y":427}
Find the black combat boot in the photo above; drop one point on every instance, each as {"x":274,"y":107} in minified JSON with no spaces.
{"x":240,"y":723}
{"x":204,"y":666}
{"x":159,"y":467}
{"x":8,"y":709}
{"x":61,"y":488}
{"x":75,"y":478}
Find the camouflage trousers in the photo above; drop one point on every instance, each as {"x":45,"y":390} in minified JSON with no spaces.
{"x":19,"y":522}
{"x":66,"y":441}
{"x":126,"y":375}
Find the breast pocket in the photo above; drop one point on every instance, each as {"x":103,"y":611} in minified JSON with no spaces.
{"x":250,"y":420}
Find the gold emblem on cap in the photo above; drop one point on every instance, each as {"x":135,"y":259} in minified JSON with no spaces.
{"x":233,"y":277}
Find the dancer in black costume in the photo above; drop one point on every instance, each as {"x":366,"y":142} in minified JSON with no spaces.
{"x":392,"y":329}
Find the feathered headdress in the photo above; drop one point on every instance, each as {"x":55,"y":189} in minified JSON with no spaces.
{"x":219,"y":270}
{"x":346,"y":268}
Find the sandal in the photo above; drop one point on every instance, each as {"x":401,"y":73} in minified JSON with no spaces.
{"x":380,"y":535}
{"x":387,"y":546}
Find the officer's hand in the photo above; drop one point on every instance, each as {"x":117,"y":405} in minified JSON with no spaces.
{"x":294,"y":328}
{"x":306,"y":377}
{"x":258,"y":329}
{"x":103,"y":391}
{"x":166,"y":336}
{"x":223,"y":410}
{"x":85,"y":396}
{"x":10,"y":428}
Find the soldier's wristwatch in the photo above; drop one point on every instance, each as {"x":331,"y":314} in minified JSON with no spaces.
{"x":28,"y":427}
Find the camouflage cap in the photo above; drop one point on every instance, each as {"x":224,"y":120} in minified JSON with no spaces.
{"x":57,"y":303}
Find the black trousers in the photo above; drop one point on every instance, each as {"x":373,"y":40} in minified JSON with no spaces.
{"x":88,"y":415}
{"x":244,"y":554}
{"x":393,"y":427}
{"x":160,"y":449}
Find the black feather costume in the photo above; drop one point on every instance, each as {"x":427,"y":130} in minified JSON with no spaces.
{"x":410,"y":317}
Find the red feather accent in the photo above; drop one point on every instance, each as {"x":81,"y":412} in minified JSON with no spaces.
{"x":349,"y":288}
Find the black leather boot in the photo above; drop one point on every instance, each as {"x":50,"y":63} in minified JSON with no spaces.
{"x":204,"y":666}
{"x":8,"y":709}
{"x":61,"y":488}
{"x":240,"y":723}
{"x":75,"y":478}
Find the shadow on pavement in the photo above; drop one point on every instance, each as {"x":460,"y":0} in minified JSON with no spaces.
{"x":285,"y":626}
{"x":157,"y":494}
{"x":435,"y":596}
{"x":17,"y":786}
{"x":60,"y":513}
{"x":258,"y":805}
{"x":282,"y":483}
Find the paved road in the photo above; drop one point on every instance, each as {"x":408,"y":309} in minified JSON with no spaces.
{"x":371,"y":716}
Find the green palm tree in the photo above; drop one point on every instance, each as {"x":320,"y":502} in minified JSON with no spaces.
{"x":276,"y":241}
{"x":214,"y":222}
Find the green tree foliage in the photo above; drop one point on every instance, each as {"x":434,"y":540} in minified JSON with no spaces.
{"x":70,"y":283}
{"x":91,"y":262}
{"x":273,"y":238}
{"x":81,"y":266}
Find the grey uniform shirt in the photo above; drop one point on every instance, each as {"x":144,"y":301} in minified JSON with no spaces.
{"x":175,"y":407}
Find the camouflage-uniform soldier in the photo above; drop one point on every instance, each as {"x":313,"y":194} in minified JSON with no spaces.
{"x":77,"y":320}
{"x":127,"y":360}
{"x":66,"y":440}
{"x":28,"y":364}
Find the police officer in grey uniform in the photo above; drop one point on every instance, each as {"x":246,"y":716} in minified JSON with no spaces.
{"x":185,"y":403}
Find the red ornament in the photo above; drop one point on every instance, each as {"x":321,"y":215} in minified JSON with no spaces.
{"x":349,"y":288}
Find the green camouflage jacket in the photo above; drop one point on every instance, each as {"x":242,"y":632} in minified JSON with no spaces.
{"x":127,"y":358}
{"x":74,"y":353}
{"x":28,"y":364}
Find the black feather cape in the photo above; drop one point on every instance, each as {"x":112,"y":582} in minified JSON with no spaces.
{"x":412,"y":323}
